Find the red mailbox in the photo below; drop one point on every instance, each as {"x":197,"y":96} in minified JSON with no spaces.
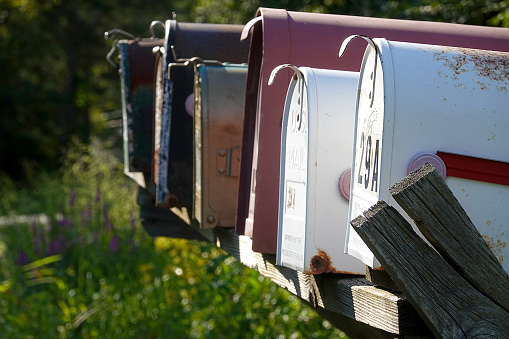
{"x":312,"y":40}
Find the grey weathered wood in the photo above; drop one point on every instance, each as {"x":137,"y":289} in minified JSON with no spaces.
{"x":381,"y":278}
{"x":427,"y":199}
{"x":346,"y":295}
{"x":451,"y":307}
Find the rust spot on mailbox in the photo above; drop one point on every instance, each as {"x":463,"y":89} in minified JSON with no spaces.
{"x":321,"y":263}
{"x":492,"y":65}
{"x":496,"y":246}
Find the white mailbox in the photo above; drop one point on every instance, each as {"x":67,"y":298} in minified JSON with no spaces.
{"x":444,"y":105}
{"x":316,"y":149}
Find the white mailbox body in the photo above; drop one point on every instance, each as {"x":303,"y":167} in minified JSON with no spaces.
{"x":417,"y":102}
{"x":316,"y":149}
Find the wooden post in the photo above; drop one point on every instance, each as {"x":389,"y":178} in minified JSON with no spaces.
{"x":450,"y":306}
{"x":427,"y":199}
{"x":460,"y":289}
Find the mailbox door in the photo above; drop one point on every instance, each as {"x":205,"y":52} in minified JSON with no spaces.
{"x":137,"y":81}
{"x":174,"y":182}
{"x":219,"y":108}
{"x":316,"y":150}
{"x":454,"y":102}
{"x":282,"y":37}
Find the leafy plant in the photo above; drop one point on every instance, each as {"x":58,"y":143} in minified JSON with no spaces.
{"x":88,"y":270}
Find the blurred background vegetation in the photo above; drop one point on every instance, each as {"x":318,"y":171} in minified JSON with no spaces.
{"x":80,"y":265}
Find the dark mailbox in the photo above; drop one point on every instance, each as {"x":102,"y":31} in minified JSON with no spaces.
{"x":137,"y":79}
{"x":173,"y":142}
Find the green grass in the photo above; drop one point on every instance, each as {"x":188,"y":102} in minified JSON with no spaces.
{"x":93,"y":272}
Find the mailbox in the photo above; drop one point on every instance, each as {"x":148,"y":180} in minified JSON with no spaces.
{"x":434,"y":104}
{"x":316,"y":151}
{"x":218,"y":111}
{"x":310,"y":39}
{"x":173,"y":144}
{"x":137,"y":79}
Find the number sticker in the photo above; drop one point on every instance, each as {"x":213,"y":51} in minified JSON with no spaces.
{"x":368,"y":172}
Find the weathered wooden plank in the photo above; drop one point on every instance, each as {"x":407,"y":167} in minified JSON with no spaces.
{"x":347,"y":295}
{"x":451,"y":307}
{"x":427,"y":199}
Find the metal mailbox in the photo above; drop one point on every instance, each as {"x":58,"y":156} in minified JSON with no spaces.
{"x":173,"y":144}
{"x":316,"y":151}
{"x":310,"y":39}
{"x":434,"y":104}
{"x":218,"y":111}
{"x":137,"y":80}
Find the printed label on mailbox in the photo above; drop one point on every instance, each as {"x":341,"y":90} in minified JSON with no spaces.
{"x":293,"y":227}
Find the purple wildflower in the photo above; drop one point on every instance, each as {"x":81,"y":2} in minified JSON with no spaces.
{"x":86,"y":216}
{"x":23,"y":258}
{"x":54,"y":247}
{"x":72,"y":198}
{"x":114,"y":245}
{"x":65,"y":222}
{"x":97,"y":195}
{"x":108,"y":226}
{"x":37,"y":237}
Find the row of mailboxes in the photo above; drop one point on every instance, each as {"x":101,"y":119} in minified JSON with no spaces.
{"x":313,"y":40}
{"x":281,"y":162}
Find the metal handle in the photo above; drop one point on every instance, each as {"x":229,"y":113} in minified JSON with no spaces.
{"x":110,"y":35}
{"x":152,"y":25}
{"x":370,"y":42}
{"x":300,"y":78}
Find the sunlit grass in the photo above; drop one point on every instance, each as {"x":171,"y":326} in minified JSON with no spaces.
{"x":91,"y":271}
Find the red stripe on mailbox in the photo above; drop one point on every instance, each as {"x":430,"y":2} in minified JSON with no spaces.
{"x":466,"y":167}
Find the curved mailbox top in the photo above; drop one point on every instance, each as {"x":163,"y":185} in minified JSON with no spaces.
{"x":316,"y":148}
{"x":310,"y":39}
{"x":173,"y":146}
{"x":416,"y":100}
{"x":137,"y":80}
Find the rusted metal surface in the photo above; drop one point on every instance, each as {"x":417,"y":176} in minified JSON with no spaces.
{"x":137,"y":74}
{"x":218,"y":111}
{"x":283,"y":37}
{"x":173,"y":147}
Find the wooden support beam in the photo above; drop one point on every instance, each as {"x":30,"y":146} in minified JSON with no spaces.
{"x":344,"y":295}
{"x":427,"y":199}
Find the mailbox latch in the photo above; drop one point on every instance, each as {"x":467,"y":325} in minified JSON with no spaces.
{"x":228,"y":162}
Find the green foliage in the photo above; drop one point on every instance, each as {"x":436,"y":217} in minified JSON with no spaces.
{"x":91,"y":271}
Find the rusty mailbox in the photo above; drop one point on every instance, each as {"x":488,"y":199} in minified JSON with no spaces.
{"x":316,"y":150}
{"x":434,"y":104}
{"x":137,"y":79}
{"x":173,"y":142}
{"x":218,"y":111}
{"x":312,"y":40}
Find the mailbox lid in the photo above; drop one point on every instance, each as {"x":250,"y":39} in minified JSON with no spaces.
{"x":316,"y":149}
{"x":277,"y":38}
{"x":442,"y":99}
{"x":218,"y":113}
{"x":137,"y":81}
{"x":206,"y":41}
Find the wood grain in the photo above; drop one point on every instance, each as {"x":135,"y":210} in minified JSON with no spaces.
{"x":427,"y":199}
{"x":450,"y":306}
